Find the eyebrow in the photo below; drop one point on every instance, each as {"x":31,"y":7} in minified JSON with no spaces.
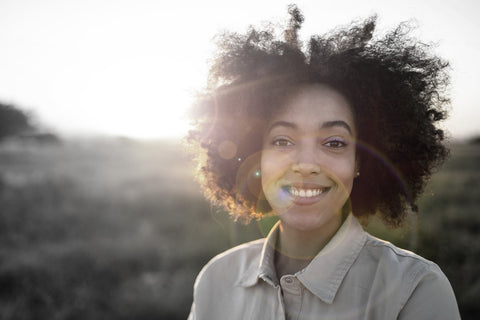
{"x":283,"y":124}
{"x":327,"y":124}
{"x":337,"y":123}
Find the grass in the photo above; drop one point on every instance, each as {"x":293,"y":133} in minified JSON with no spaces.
{"x":117,"y":229}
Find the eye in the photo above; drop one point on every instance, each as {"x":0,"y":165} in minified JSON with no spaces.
{"x":336,"y":143}
{"x":282,"y":142}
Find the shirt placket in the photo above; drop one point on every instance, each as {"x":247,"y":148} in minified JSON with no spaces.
{"x":292,"y":296}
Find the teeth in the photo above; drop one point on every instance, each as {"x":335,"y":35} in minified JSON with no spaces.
{"x":305,"y":193}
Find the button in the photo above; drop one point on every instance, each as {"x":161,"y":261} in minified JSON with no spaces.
{"x":290,"y":285}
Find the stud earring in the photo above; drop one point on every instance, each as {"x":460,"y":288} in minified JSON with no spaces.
{"x":358,"y":173}
{"x":257,"y":173}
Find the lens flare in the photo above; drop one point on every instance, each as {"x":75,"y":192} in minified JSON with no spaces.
{"x":383,"y":160}
{"x":227,"y":149}
{"x":248,"y":180}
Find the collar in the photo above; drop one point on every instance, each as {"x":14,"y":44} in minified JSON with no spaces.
{"x":265,"y":267}
{"x":325,"y":273}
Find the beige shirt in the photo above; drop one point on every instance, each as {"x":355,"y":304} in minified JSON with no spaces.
{"x":356,"y":276}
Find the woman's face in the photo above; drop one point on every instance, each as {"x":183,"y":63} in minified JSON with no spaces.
{"x":308,"y":159}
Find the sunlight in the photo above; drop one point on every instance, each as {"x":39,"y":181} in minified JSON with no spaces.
{"x":125,"y":98}
{"x":127,"y":68}
{"x":106,"y":76}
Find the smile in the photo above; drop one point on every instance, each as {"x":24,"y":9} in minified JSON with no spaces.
{"x":305,"y":192}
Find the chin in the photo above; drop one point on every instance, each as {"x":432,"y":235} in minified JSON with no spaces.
{"x":303,"y":220}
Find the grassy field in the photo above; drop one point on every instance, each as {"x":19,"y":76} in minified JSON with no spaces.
{"x":117,"y":229}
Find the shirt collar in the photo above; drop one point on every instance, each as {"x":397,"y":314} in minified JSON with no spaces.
{"x":325,"y":273}
{"x":265,"y":267}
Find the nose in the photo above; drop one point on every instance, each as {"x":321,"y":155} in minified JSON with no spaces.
{"x":306,"y":163}
{"x":306,"y":169}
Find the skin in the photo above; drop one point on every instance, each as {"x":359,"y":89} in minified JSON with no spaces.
{"x":308,"y":165}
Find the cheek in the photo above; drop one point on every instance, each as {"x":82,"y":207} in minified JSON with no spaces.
{"x":273,"y":167}
{"x":267,"y":169}
{"x":344,"y":173}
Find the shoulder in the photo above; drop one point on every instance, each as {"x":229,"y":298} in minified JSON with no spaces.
{"x":396,"y":262}
{"x":216,"y":293}
{"x":422,"y":286}
{"x":386,"y":252}
{"x":240,"y":255}
{"x":228,"y":265}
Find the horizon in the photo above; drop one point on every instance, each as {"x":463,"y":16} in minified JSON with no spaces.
{"x":131,"y":68}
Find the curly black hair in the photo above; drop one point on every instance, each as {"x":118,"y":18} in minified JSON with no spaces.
{"x":396,"y":88}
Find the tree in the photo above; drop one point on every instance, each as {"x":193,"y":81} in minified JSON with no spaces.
{"x":474,"y":140}
{"x":13,"y":121}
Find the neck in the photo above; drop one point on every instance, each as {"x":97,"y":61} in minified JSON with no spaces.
{"x":296,"y":248}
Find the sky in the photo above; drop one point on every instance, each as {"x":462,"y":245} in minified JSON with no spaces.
{"x":131,"y":67}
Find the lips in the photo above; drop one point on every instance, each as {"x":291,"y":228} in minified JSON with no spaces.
{"x":306,"y":193}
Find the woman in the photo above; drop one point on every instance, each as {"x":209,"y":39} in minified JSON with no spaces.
{"x":320,"y":138}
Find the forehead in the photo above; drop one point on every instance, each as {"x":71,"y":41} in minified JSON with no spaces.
{"x":314,"y":105}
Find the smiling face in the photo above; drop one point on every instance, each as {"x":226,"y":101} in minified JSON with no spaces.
{"x":308,"y":159}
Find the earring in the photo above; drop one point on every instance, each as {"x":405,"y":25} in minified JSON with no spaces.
{"x":257,"y":173}
{"x":358,"y":173}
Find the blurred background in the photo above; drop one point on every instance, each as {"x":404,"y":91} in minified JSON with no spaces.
{"x":100,"y":217}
